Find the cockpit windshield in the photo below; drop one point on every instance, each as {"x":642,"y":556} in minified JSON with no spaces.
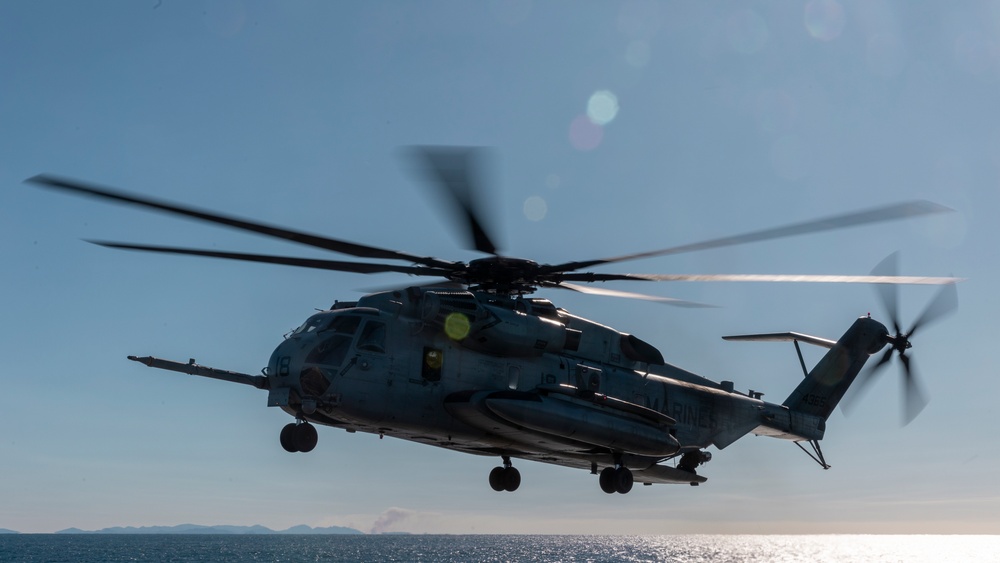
{"x":341,"y":324}
{"x":314,"y":323}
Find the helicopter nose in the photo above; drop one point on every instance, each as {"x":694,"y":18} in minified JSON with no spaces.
{"x":278,"y":367}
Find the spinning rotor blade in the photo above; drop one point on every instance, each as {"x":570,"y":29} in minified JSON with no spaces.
{"x":455,"y":171}
{"x":877,"y":215}
{"x":326,"y":243}
{"x":630,"y":295}
{"x":797,"y":278}
{"x":914,"y":399}
{"x":863,"y":383}
{"x":945,"y":302}
{"x":357,"y":267}
{"x":889,"y":294}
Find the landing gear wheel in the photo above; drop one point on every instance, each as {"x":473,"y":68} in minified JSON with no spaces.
{"x":607,"y":479}
{"x":287,"y":438}
{"x":511,"y":479}
{"x":616,"y":480}
{"x":298,"y":437}
{"x":496,"y":479}
{"x":623,"y":480}
{"x":505,"y":479}
{"x":305,"y":437}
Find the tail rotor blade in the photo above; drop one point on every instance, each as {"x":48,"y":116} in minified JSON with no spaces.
{"x":914,"y":398}
{"x":944,"y":303}
{"x":856,"y":391}
{"x":889,"y":292}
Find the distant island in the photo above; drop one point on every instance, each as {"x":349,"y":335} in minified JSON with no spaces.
{"x":6,"y":531}
{"x":231,"y":530}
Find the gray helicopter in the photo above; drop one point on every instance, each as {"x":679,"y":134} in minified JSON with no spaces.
{"x":473,"y":363}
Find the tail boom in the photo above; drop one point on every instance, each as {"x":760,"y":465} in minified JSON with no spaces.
{"x":824,"y":386}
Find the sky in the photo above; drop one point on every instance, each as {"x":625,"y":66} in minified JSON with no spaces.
{"x":615,"y":127}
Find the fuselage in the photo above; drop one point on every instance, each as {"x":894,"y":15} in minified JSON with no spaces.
{"x":495,"y":375}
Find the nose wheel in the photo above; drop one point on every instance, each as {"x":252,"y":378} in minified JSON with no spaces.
{"x":505,"y":478}
{"x":298,"y":437}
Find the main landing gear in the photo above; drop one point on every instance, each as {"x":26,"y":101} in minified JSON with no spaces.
{"x":505,"y":478}
{"x":616,"y":480}
{"x":299,"y":436}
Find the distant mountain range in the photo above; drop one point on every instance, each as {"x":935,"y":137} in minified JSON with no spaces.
{"x":196,"y":529}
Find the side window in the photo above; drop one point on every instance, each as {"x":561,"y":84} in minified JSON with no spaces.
{"x":433,"y":360}
{"x":372,"y":337}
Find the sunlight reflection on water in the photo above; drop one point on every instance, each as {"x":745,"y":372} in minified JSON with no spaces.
{"x":695,"y":548}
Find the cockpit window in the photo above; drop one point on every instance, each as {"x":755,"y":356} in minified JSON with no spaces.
{"x":372,"y":337}
{"x":331,"y":351}
{"x":314,"y":323}
{"x":341,"y":324}
{"x":345,"y":324}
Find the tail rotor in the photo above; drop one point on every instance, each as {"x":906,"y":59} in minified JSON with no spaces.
{"x":944,"y":303}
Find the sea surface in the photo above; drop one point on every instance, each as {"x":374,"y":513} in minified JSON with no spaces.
{"x":225,"y":548}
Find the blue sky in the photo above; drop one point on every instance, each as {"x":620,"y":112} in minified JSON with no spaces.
{"x":717,"y":118}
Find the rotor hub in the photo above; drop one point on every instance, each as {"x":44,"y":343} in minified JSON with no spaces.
{"x":900,"y":343}
{"x":498,"y":274}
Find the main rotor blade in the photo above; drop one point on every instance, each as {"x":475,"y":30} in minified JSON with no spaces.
{"x":629,"y":295}
{"x":455,"y":171}
{"x":914,"y":398}
{"x":357,"y":267}
{"x":326,"y":243}
{"x":944,"y":303}
{"x":876,"y":215}
{"x":796,"y":278}
{"x":888,"y":292}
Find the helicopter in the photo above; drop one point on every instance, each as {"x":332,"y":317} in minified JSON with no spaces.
{"x":473,"y":362}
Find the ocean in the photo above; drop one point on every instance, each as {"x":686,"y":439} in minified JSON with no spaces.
{"x":52,"y":548}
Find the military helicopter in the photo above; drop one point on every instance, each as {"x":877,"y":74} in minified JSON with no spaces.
{"x":473,"y":363}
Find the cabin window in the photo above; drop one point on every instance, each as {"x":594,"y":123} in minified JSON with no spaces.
{"x":372,"y":337}
{"x":433,"y":362}
{"x":588,"y":378}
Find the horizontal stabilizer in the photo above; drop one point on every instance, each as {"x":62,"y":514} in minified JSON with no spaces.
{"x":784,"y":337}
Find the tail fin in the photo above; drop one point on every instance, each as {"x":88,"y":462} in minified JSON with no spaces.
{"x":826,"y":384}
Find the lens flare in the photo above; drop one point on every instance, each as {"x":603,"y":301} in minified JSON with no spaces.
{"x":535,"y":208}
{"x":584,"y":134}
{"x":825,"y":19}
{"x":456,"y":326}
{"x":602,"y":107}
